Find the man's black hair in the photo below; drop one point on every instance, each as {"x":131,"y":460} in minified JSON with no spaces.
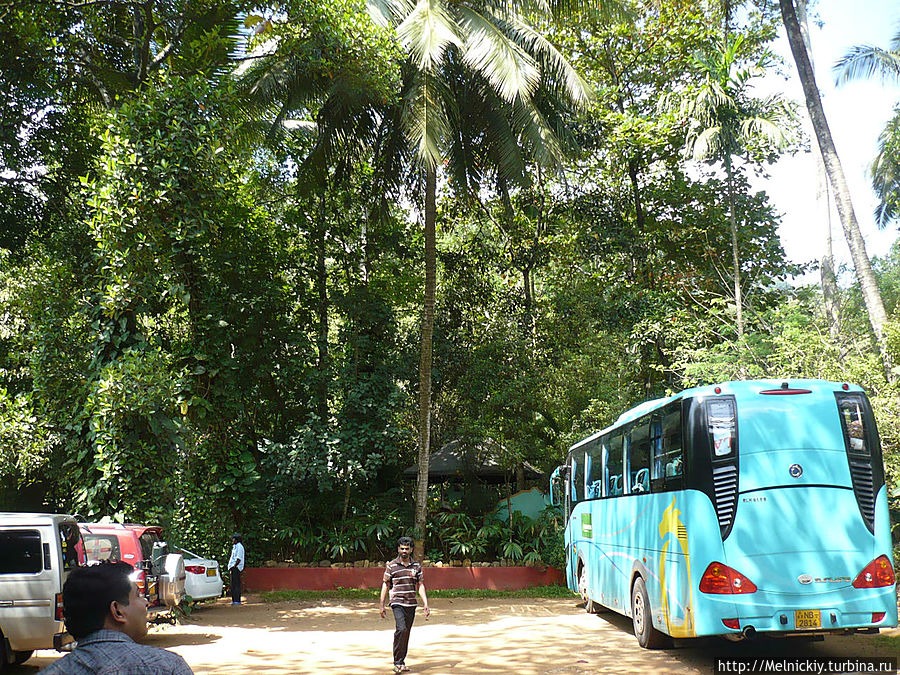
{"x":405,"y":541}
{"x":88,"y":593}
{"x":236,"y":537}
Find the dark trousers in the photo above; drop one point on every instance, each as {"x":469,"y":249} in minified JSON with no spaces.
{"x":403,"y":619}
{"x":235,"y":584}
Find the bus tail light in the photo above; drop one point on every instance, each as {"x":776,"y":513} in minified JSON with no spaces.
{"x":877,"y":574}
{"x":721,"y":579}
{"x":195,"y":569}
{"x":732,"y":623}
{"x":58,"y":613}
{"x":877,"y":616}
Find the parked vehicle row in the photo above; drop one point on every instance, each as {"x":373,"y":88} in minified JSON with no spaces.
{"x":39,"y":550}
{"x":159,"y":574}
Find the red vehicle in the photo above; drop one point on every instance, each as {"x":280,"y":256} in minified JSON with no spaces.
{"x":159,"y":574}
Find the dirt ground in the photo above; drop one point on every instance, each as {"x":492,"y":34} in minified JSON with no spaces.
{"x":463,"y":636}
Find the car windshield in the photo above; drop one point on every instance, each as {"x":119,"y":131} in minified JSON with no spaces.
{"x":147,"y":540}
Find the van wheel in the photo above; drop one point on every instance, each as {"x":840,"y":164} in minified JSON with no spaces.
{"x":589,"y":605}
{"x":21,"y":657}
{"x":647,"y":636}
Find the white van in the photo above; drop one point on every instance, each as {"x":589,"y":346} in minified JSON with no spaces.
{"x":37,"y":552}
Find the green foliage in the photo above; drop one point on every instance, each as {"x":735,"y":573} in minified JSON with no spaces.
{"x":520,"y":539}
{"x":209,"y":281}
{"x":132,"y":431}
{"x":886,"y":172}
{"x":22,"y":437}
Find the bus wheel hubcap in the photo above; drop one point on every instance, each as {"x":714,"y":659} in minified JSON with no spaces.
{"x":639,"y":613}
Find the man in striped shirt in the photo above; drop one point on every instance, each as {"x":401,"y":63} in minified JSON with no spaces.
{"x":403,"y":576}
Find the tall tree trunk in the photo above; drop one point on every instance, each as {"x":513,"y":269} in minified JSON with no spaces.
{"x":528,"y":287}
{"x":864,"y":274}
{"x":736,"y":260}
{"x":829,"y":278}
{"x":322,"y":309}
{"x":823,"y":204}
{"x":425,"y":362}
{"x":640,"y":218}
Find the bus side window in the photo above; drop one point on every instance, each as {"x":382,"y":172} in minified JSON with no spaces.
{"x":657,"y":463}
{"x":577,"y":480}
{"x":593,"y":471}
{"x":614,"y":464}
{"x":604,"y":454}
{"x":669,"y":463}
{"x":639,"y":458}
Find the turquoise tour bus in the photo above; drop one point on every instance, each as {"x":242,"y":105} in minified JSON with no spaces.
{"x":743,"y":508}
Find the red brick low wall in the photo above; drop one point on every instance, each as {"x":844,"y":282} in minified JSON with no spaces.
{"x":328,"y":578}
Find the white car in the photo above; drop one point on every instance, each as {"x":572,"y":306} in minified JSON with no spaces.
{"x":203,"y":578}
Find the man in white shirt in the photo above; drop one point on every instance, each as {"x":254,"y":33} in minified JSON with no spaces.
{"x":235,"y":566}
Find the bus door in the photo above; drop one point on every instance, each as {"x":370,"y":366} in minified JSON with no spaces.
{"x":564,"y":492}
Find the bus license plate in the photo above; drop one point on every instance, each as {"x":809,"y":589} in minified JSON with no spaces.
{"x":807,"y":618}
{"x":210,"y":571}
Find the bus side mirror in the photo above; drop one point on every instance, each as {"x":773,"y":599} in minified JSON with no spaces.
{"x":554,"y":481}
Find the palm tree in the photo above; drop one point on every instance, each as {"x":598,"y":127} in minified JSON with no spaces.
{"x":725,"y":121}
{"x":480,"y":96}
{"x":823,"y":210}
{"x":865,"y":61}
{"x":480,"y":86}
{"x":886,"y":172}
{"x":864,"y":274}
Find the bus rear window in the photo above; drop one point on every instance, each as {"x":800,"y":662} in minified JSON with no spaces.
{"x":20,"y":552}
{"x":721,"y":421}
{"x":853,"y":424}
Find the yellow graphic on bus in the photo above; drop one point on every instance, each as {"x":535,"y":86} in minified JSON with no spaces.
{"x":676,"y":594}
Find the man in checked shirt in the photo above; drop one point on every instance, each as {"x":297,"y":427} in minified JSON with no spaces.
{"x":403,"y":576}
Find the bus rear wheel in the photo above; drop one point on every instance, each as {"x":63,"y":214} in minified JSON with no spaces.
{"x":590,"y":606}
{"x":641,"y":616}
{"x":21,"y":657}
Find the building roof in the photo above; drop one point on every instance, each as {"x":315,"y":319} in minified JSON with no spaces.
{"x":460,"y":461}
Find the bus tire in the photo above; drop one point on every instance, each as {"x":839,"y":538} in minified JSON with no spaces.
{"x":590,"y":606}
{"x":21,"y":657}
{"x":642,"y":618}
